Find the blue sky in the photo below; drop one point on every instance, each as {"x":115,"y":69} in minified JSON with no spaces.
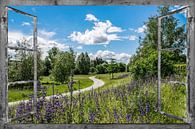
{"x":99,"y":30}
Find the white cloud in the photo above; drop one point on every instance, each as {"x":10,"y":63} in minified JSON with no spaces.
{"x":113,"y":29}
{"x":46,"y":34}
{"x":43,"y":43}
{"x":101,"y":33}
{"x":139,"y":29}
{"x":132,"y":37}
{"x":26,"y":24}
{"x":79,"y":47}
{"x":90,"y":17}
{"x":106,"y":55}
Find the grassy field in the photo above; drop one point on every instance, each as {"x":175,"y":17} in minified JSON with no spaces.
{"x":15,"y":95}
{"x":118,"y":80}
{"x":119,"y":101}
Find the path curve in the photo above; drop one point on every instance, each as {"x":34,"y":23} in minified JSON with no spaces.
{"x":96,"y":84}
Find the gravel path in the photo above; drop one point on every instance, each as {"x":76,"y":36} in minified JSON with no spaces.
{"x":96,"y":84}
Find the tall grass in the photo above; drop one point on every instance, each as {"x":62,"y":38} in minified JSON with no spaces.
{"x":134,"y":102}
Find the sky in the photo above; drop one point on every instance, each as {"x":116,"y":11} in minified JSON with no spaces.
{"x":102,"y":31}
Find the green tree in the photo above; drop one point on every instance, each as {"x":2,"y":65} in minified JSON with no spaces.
{"x":112,"y":68}
{"x":21,"y":66}
{"x":97,"y":61}
{"x":52,"y":53}
{"x":121,"y":67}
{"x":144,"y":62}
{"x":83,"y":63}
{"x":63,"y":66}
{"x":101,"y":69}
{"x":47,"y":64}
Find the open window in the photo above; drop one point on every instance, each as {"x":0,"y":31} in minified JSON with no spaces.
{"x":23,"y":49}
{"x":177,"y":81}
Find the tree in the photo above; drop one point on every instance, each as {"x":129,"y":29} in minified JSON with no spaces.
{"x":93,"y":70}
{"x":112,"y":68}
{"x":97,"y":61}
{"x":52,"y":53}
{"x":87,"y":63}
{"x":100,"y":69}
{"x":47,"y":64}
{"x":83,"y":63}
{"x":63,"y":66}
{"x":22,"y":66}
{"x":144,"y":62}
{"x":121,"y":67}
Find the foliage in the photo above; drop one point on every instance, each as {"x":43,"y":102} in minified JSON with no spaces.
{"x":125,"y":103}
{"x":121,"y":67}
{"x":47,"y":65}
{"x":97,"y":61}
{"x":83,"y":63}
{"x":144,"y":62}
{"x":52,"y":55}
{"x":100,"y":69}
{"x":22,"y":68}
{"x":63,"y":66}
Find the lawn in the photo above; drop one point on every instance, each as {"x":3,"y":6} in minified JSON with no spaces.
{"x":15,"y":95}
{"x":119,"y":79}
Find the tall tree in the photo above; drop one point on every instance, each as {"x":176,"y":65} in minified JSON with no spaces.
{"x":47,"y":68}
{"x":83,"y":63}
{"x":63,"y":66}
{"x":52,"y":55}
{"x":144,"y":62}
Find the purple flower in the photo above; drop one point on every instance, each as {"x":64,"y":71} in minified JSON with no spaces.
{"x":147,"y":107}
{"x":128,"y":117}
{"x":20,"y":109}
{"x":91,"y":117}
{"x":116,"y":117}
{"x":49,"y":112}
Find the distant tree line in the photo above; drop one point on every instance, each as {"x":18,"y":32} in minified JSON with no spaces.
{"x":59,"y":65}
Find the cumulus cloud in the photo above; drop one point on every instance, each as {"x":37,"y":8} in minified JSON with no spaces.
{"x":44,"y":44}
{"x":106,"y":55}
{"x":26,"y":24}
{"x":132,"y":37}
{"x":101,"y":33}
{"x":90,"y":17}
{"x":113,"y":29}
{"x":139,"y":29}
{"x":46,"y":34}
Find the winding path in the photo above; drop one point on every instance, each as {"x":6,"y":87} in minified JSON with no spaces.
{"x":96,"y":84}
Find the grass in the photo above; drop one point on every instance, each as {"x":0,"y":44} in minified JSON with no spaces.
{"x":115,"y":103}
{"x":16,"y":95}
{"x":62,"y":88}
{"x":174,"y":100}
{"x":117,"y":81}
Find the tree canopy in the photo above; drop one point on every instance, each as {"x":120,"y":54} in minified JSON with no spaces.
{"x":144,"y":62}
